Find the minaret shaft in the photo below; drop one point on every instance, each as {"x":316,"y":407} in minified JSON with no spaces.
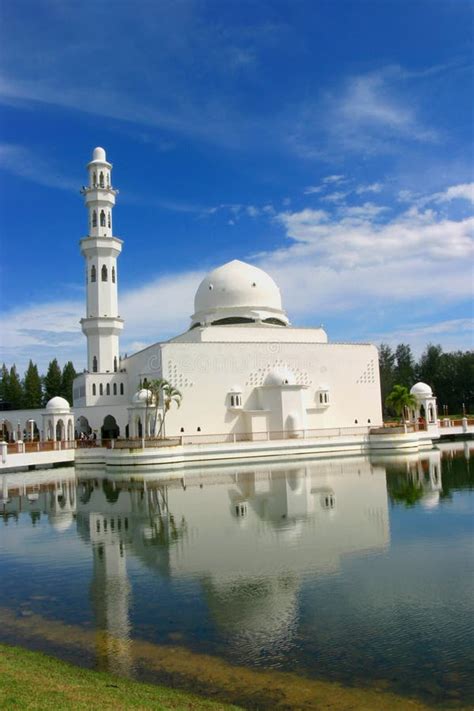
{"x":100,"y":249}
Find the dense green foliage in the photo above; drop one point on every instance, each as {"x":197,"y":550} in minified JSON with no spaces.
{"x":450,"y":375}
{"x":34,"y":390}
{"x":67,"y":379}
{"x":52,"y":381}
{"x":32,"y":387}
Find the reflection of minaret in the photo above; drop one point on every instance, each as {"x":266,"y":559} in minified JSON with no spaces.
{"x":110,"y":591}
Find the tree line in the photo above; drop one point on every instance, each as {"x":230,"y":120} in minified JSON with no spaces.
{"x":34,"y":390}
{"x":451,"y":375}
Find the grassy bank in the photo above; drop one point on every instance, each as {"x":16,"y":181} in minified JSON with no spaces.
{"x":31,"y":680}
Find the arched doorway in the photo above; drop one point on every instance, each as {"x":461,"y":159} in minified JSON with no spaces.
{"x":110,"y":429}
{"x":83,"y":427}
{"x":60,"y":431}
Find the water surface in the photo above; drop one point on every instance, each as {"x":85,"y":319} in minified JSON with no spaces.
{"x":350,"y":570}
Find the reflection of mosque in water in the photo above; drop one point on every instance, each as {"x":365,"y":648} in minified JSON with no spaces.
{"x":247,"y":533}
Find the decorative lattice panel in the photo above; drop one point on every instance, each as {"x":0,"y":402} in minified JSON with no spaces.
{"x":176,"y":378}
{"x":368,"y":376}
{"x":257,"y":377}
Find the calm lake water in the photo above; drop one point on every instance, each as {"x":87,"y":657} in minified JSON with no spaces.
{"x":354,"y":570}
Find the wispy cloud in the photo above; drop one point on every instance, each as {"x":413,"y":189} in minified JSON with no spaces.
{"x":372,"y":188}
{"x":453,"y":334}
{"x":369,"y":113}
{"x":21,"y":161}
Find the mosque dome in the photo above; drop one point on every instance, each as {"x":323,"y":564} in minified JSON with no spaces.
{"x":57,"y":403}
{"x":142,"y":397}
{"x":421,"y":390}
{"x":238,"y":292}
{"x":280,"y":376}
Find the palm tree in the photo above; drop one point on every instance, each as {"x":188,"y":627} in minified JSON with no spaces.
{"x":157,"y":387}
{"x":400,"y":400}
{"x":170,"y":395}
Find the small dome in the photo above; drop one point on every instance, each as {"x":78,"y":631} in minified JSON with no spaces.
{"x":421,"y":390}
{"x":57,"y":403}
{"x":238,"y":292}
{"x":98,"y":154}
{"x":280,"y":376}
{"x":143,"y":397}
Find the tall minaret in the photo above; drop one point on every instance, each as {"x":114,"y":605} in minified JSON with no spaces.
{"x":100,"y":249}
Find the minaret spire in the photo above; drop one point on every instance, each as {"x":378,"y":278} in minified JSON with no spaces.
{"x":100,"y":249}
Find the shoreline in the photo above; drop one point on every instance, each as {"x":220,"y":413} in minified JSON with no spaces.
{"x":200,"y":673}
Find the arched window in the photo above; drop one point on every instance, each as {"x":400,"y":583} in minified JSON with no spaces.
{"x":101,"y":389}
{"x":107,"y":389}
{"x":232,"y":401}
{"x":94,"y":364}
{"x":94,"y":389}
{"x":121,"y":388}
{"x":109,"y":223}
{"x":94,"y":218}
{"x":93,"y":273}
{"x":104,"y":273}
{"x":102,"y":218}
{"x":101,"y":179}
{"x":113,"y":275}
{"x":115,"y":388}
{"x":108,"y":180}
{"x":115,"y":364}
{"x":94,"y":178}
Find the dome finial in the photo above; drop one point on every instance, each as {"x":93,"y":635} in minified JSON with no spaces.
{"x":98,"y":154}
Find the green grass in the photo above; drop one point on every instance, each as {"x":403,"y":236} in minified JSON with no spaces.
{"x":32,"y":680}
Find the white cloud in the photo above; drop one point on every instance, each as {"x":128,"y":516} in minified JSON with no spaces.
{"x":369,"y":114}
{"x":332,"y":179}
{"x":454,"y":334}
{"x":18,"y":160}
{"x":337,"y":196}
{"x":372,"y":188}
{"x":457,"y":192}
{"x":353,"y":263}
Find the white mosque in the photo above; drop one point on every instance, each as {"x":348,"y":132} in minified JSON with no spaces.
{"x":243,"y":371}
{"x":241,"y":367}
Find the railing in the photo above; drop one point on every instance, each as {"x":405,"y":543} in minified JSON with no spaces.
{"x":234,"y":437}
{"x":21,"y":447}
{"x":447,"y":422}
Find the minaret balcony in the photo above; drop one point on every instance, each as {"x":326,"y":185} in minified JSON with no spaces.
{"x":98,"y":196}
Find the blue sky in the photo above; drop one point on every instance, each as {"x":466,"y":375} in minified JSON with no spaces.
{"x":329,"y":143}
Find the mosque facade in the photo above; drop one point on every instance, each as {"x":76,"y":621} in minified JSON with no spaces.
{"x":241,"y":367}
